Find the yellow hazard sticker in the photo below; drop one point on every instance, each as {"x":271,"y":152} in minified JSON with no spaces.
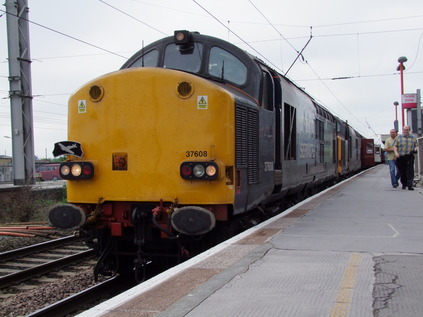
{"x":82,"y":106}
{"x":202,"y":102}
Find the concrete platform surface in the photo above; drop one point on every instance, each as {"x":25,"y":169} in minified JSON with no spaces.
{"x":353,"y":250}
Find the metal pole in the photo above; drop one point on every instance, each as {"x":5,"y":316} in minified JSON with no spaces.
{"x":396,"y":116}
{"x":401,"y":66}
{"x":419,"y":113}
{"x":20,"y":91}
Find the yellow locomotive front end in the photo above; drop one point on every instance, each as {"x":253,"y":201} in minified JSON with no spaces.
{"x":157,"y":137}
{"x":144,"y":125}
{"x":155,"y":160}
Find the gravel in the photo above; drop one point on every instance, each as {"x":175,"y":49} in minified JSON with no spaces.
{"x":8,"y":243}
{"x":30,"y":301}
{"x":26,"y":302}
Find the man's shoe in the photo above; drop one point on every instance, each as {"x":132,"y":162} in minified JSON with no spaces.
{"x":395,"y":186}
{"x":410,"y":188}
{"x":403,"y":187}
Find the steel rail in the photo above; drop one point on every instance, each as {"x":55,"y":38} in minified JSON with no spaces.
{"x":70,"y":304}
{"x":24,"y":275}
{"x":13,"y":254}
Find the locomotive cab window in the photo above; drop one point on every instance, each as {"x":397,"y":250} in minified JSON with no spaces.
{"x":149,"y":59}
{"x":226,"y":66}
{"x":186,"y":59}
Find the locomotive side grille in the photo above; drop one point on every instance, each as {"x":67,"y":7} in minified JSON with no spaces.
{"x":241,"y":137}
{"x":253,"y":153}
{"x":247,"y":142}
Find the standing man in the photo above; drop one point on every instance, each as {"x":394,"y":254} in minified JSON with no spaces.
{"x":392,"y":162}
{"x":404,"y":148}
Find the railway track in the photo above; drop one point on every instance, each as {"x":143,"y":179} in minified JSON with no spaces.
{"x":79,"y":301}
{"x":39,"y":280}
{"x":29,"y":263}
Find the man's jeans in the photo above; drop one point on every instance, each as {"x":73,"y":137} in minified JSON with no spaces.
{"x":394,"y":172}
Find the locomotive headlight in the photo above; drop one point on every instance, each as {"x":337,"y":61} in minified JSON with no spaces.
{"x":65,"y":170}
{"x":76,"y":170}
{"x":211,"y":170}
{"x":199,"y":170}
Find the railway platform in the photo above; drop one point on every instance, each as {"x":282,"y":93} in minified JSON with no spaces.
{"x":353,"y":250}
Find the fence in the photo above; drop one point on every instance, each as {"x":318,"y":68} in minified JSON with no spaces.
{"x":419,"y":161}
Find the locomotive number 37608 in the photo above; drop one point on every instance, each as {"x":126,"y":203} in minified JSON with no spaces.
{"x":196,"y":153}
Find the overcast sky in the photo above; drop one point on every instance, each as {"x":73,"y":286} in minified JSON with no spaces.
{"x":360,"y":41}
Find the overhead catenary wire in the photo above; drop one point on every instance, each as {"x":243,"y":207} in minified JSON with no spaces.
{"x":417,"y":53}
{"x":66,"y":35}
{"x":300,"y":54}
{"x":132,"y":17}
{"x":273,"y":26}
{"x":239,"y":37}
{"x":335,"y":24}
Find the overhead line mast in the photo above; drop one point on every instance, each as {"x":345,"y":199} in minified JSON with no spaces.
{"x":20,"y":91}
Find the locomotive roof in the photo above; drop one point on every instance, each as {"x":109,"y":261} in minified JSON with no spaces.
{"x":221,"y":69}
{"x":251,"y":62}
{"x":194,"y":37}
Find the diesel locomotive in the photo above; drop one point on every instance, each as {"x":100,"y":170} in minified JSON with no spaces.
{"x":191,"y":135}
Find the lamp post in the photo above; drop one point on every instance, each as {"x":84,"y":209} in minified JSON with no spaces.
{"x":401,"y":69}
{"x":396,"y":116}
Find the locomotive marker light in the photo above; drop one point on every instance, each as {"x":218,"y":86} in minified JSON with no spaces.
{"x":65,"y":170}
{"x":76,"y":170}
{"x":199,"y":170}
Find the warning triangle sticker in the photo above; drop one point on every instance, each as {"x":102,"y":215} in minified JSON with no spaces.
{"x":202,"y":102}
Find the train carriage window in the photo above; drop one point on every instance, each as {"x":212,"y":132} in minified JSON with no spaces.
{"x":322,"y":153}
{"x":320,"y":135}
{"x":320,"y":130}
{"x":369,"y":147}
{"x":226,"y":66}
{"x":180,"y":58}
{"x":149,"y":59}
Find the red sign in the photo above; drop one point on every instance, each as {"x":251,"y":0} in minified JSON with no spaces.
{"x":409,"y":101}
